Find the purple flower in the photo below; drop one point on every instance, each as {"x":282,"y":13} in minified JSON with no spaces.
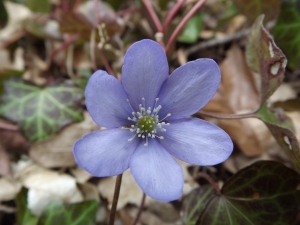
{"x":148,"y":121}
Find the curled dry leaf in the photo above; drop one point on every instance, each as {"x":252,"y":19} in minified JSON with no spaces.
{"x":57,"y":151}
{"x":9,"y":188}
{"x":45,"y":186}
{"x":17,"y":15}
{"x":237,"y":94}
{"x":130,"y":191}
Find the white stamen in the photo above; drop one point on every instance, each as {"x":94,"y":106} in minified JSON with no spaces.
{"x":150,"y":124}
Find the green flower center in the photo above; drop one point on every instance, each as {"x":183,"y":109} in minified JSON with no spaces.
{"x":146,"y":123}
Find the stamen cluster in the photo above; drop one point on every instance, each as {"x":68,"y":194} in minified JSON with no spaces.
{"x":147,"y":122}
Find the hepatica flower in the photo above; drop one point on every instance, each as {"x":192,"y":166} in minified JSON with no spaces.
{"x":148,"y":121}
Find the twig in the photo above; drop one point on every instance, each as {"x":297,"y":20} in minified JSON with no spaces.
{"x":182,"y":24}
{"x":153,"y":15}
{"x":62,"y":47}
{"x":115,"y":200}
{"x":210,"y":180}
{"x":6,"y":126}
{"x":172,"y":13}
{"x":227,"y":116}
{"x":140,"y":210}
{"x":214,"y":42}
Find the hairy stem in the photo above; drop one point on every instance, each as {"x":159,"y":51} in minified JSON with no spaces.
{"x":210,"y":180}
{"x":136,"y":220}
{"x":153,"y":15}
{"x":115,"y":200}
{"x":178,"y":29}
{"x":171,"y":14}
{"x":227,"y":116}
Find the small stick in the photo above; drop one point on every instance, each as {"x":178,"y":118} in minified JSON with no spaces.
{"x":227,"y":116}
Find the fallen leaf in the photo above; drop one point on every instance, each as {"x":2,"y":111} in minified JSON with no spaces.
{"x":57,"y":151}
{"x":9,"y":188}
{"x":44,"y":186}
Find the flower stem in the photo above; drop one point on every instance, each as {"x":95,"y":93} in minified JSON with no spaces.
{"x":172,"y":13}
{"x":182,"y":23}
{"x":115,"y":200}
{"x":210,"y":180}
{"x":153,"y":15}
{"x":140,"y":210}
{"x":228,"y":116}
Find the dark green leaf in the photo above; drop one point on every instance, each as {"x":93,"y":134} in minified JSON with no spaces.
{"x":83,"y":213}
{"x":40,"y":112}
{"x":41,"y":6}
{"x":286,"y":31}
{"x":254,"y":8}
{"x":265,"y":193}
{"x":3,"y":15}
{"x":265,"y":59}
{"x":281,"y":128}
{"x":194,"y":203}
{"x":191,"y":30}
{"x":24,"y":216}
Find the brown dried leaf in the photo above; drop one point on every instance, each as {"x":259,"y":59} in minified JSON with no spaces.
{"x":57,"y":151}
{"x":9,"y":188}
{"x":237,"y":94}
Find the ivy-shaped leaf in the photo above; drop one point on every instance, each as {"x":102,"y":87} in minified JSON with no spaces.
{"x":194,"y":203}
{"x":286,"y":31}
{"x":40,"y":112}
{"x":254,"y":8}
{"x":281,"y":128}
{"x":83,"y":213}
{"x":264,"y":193}
{"x":265,"y":60}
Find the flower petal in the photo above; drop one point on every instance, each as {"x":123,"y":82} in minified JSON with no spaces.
{"x":189,"y":88}
{"x":156,"y":172}
{"x":145,"y":69}
{"x":197,"y":142}
{"x":106,"y":100}
{"x":105,"y":152}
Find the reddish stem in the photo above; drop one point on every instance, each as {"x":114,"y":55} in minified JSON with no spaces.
{"x":140,"y":210}
{"x":172,"y":13}
{"x":210,"y":180}
{"x":153,"y":15}
{"x":105,"y":63}
{"x":182,"y":24}
{"x":62,"y":47}
{"x":96,"y":4}
{"x":6,"y":126}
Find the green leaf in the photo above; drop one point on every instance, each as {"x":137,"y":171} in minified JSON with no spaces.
{"x":254,"y":8}
{"x":40,"y":112}
{"x":41,"y":6}
{"x":287,"y":31}
{"x":24,"y":216}
{"x":83,"y":213}
{"x":194,"y":203}
{"x":191,"y":30}
{"x":264,"y":193}
{"x":282,"y":129}
{"x":265,"y":60}
{"x":3,"y":15}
